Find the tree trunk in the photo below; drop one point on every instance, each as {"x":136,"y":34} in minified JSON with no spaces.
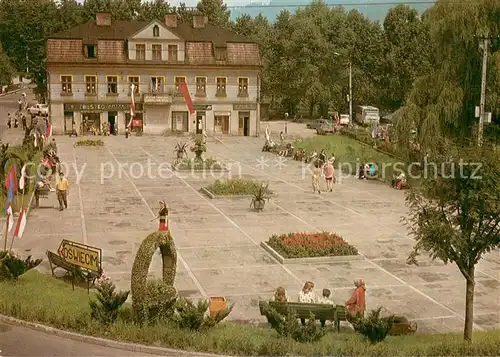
{"x":469,"y":305}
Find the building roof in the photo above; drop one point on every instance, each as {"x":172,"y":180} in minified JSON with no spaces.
{"x":122,"y":30}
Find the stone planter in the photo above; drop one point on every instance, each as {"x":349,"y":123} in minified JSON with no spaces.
{"x":258,"y":205}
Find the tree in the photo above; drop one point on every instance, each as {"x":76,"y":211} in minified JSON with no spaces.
{"x":455,"y":215}
{"x":244,"y":25}
{"x":7,"y":69}
{"x":156,"y":9}
{"x":217,"y":12}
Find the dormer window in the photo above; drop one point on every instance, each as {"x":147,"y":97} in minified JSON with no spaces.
{"x":220,"y":53}
{"x":89,"y":51}
{"x":156,"y":31}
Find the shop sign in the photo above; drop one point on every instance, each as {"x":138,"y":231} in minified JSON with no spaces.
{"x":202,"y":107}
{"x":245,"y":106}
{"x":99,"y":107}
{"x":222,"y":114}
{"x":158,"y":100}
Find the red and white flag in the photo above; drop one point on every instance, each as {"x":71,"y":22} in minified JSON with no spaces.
{"x":132,"y":104}
{"x":21,"y":224}
{"x":10,"y":221}
{"x":185,"y":92}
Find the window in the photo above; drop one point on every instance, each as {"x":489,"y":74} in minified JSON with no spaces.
{"x":91,"y":84}
{"x":112,"y":84}
{"x":66,"y":84}
{"x":220,"y":53}
{"x":201,"y":86}
{"x":221,"y":86}
{"x":134,"y":80}
{"x":156,"y":52}
{"x":156,"y":31}
{"x":140,"y":52}
{"x":156,"y":84}
{"x":89,"y":51}
{"x":178,"y":81}
{"x":180,"y":121}
{"x":242,"y":87}
{"x":172,"y":53}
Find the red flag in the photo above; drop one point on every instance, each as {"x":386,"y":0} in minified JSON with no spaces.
{"x":11,"y":180}
{"x":184,"y":90}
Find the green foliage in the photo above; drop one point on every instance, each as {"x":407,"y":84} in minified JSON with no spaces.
{"x":7,"y":69}
{"x":236,"y":187}
{"x":154,"y":300}
{"x":89,"y":142}
{"x":12,"y":267}
{"x":187,"y":315}
{"x":105,"y":308}
{"x":180,"y":150}
{"x":261,"y":192}
{"x":289,"y":326}
{"x":199,"y":147}
{"x":56,"y":305}
{"x":374,"y":327}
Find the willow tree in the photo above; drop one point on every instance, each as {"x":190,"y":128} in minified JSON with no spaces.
{"x":442,"y":102}
{"x":455,"y":214}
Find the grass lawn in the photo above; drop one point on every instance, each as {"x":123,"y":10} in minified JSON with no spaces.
{"x":41,"y":298}
{"x":234,"y":187}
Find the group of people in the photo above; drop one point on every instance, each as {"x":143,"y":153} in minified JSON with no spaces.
{"x":355,"y":305}
{"x":323,"y":167}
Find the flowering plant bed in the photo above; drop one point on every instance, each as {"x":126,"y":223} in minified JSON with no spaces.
{"x":208,"y":164}
{"x":303,"y":245}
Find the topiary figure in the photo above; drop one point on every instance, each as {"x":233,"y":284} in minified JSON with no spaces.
{"x":154,"y":299}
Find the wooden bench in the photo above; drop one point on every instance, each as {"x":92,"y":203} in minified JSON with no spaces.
{"x":322,"y":312}
{"x":57,"y":261}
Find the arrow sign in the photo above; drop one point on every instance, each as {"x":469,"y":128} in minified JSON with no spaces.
{"x":81,"y":255}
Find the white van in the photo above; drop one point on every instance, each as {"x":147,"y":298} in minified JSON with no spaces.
{"x":367,"y":115}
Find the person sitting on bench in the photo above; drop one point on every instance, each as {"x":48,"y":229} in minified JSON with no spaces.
{"x":325,"y":299}
{"x":356,"y":305}
{"x":280,"y":295}
{"x":306,"y":295}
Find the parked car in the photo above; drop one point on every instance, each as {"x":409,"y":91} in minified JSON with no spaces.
{"x":324,"y":129}
{"x":344,"y":119}
{"x":39,"y":109}
{"x":316,"y":124}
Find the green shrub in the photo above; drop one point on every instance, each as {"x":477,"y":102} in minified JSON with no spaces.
{"x":105,"y":309}
{"x":374,"y":327}
{"x":89,"y":142}
{"x":289,"y":326}
{"x":153,"y":300}
{"x":187,"y":315}
{"x":235,"y":187}
{"x":12,"y":267}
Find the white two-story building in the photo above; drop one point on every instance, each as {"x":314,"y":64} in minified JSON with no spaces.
{"x":91,"y":68}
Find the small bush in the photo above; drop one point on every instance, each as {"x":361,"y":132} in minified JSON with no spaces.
{"x":187,"y":315}
{"x":105,"y":309}
{"x":235,"y":187}
{"x":89,"y":142}
{"x":374,"y":327}
{"x":289,"y":326}
{"x":12,"y":267}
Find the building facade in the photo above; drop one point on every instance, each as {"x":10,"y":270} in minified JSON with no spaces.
{"x":91,"y":69}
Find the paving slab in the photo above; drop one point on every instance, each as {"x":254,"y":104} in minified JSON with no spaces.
{"x":111,"y":206}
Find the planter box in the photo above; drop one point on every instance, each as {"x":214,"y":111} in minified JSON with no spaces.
{"x":231,"y":197}
{"x":282,"y":260}
{"x":224,"y":169}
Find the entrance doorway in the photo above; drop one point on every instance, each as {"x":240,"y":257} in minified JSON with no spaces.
{"x":68,"y":122}
{"x":199,"y":122}
{"x":112,"y":122}
{"x":221,"y":124}
{"x":244,"y":123}
{"x":91,"y":123}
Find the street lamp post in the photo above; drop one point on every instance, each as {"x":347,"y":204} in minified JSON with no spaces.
{"x":349,"y":97}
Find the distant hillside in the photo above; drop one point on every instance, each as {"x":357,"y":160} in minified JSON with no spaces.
{"x":373,"y":12}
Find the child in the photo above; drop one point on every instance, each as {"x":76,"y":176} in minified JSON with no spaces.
{"x":325,"y":299}
{"x":315,"y":177}
{"x":328,"y":173}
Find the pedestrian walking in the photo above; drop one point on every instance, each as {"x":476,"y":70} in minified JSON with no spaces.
{"x":9,"y":121}
{"x":329,"y":175}
{"x":315,"y":177}
{"x":62,"y":188}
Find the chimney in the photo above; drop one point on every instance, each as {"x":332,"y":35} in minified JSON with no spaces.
{"x":103,"y":19}
{"x":199,"y":21}
{"x":171,"y":20}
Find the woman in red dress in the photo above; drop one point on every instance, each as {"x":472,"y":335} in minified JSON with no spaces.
{"x":163,"y":215}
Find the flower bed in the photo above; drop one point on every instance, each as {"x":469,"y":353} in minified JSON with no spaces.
{"x":303,"y":245}
{"x":89,"y":143}
{"x":200,"y":165}
{"x":234,"y":187}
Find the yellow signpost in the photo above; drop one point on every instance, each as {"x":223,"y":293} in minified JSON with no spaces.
{"x":81,"y":255}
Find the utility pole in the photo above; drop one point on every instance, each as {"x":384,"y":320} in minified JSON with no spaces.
{"x":350,"y":93}
{"x":484,"y":47}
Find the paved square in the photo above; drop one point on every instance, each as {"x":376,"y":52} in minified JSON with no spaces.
{"x":218,"y":240}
